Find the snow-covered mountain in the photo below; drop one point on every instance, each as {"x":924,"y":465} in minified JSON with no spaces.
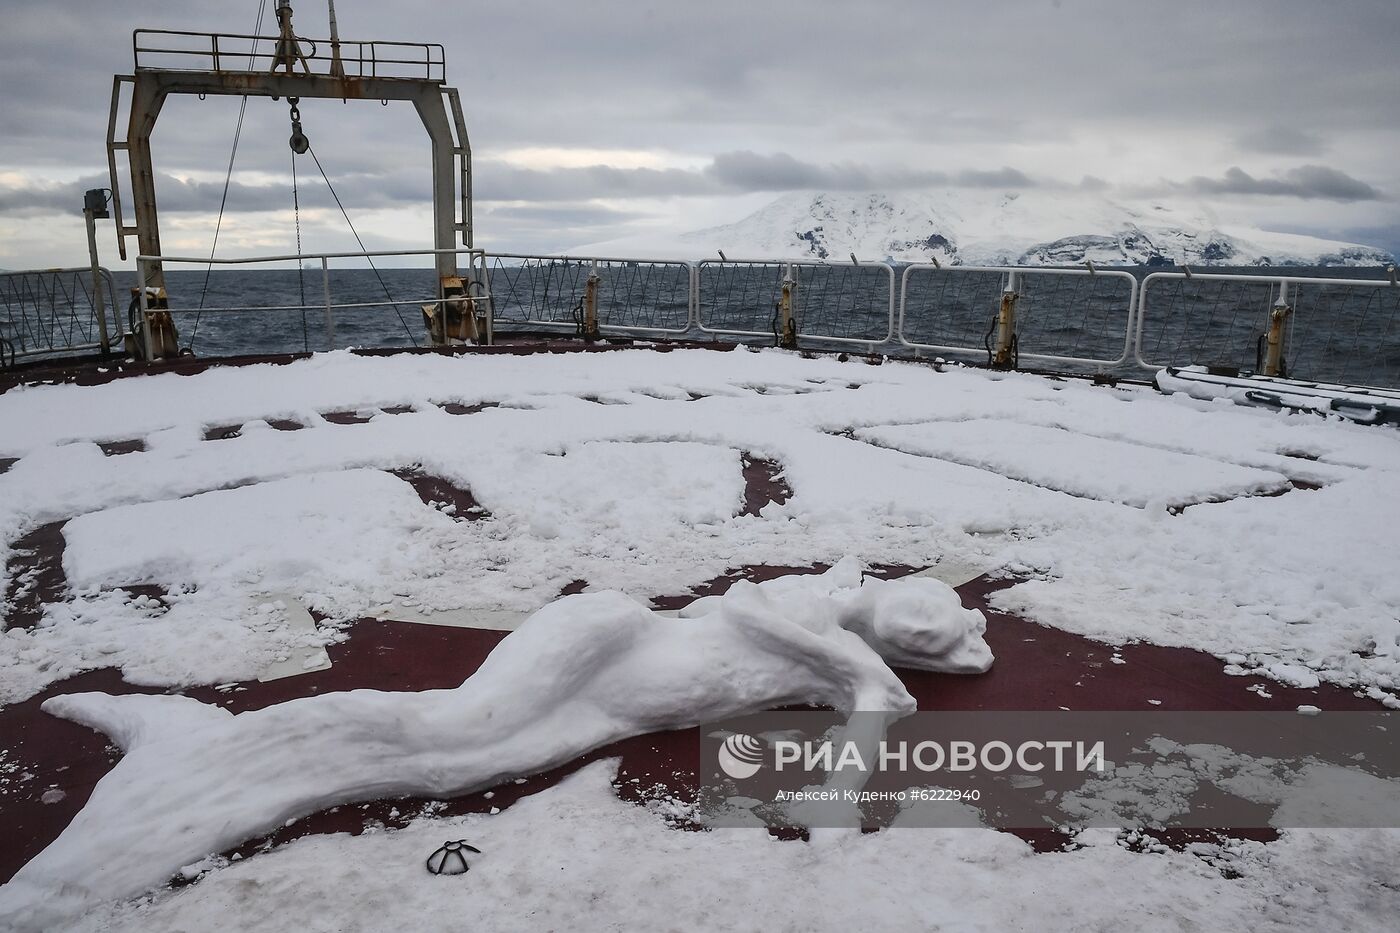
{"x":973,"y":227}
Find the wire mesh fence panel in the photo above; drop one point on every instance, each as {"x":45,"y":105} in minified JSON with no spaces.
{"x":651,"y":296}
{"x":841,"y":301}
{"x":1060,"y":315}
{"x":1074,"y":316}
{"x":54,"y":312}
{"x":1201,"y":320}
{"x":739,"y":297}
{"x":830,"y":301}
{"x":951,"y":308}
{"x":538,"y":291}
{"x":1338,"y":330}
{"x":1344,"y":332}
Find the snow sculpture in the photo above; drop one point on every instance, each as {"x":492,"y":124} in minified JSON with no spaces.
{"x":580,"y":673}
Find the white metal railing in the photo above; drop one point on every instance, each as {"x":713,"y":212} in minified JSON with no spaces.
{"x":1329,"y":329}
{"x":52,"y":312}
{"x":845,"y":303}
{"x":1337,"y":330}
{"x":954,"y":310}
{"x":328,"y":306}
{"x":243,"y":52}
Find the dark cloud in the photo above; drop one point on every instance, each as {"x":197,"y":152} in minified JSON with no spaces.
{"x":1307,"y":181}
{"x":175,"y":195}
{"x":1282,"y":140}
{"x":887,"y":95}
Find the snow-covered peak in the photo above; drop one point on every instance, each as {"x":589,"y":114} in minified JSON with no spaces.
{"x":983,"y":227}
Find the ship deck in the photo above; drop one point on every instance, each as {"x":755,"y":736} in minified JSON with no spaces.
{"x":54,"y":764}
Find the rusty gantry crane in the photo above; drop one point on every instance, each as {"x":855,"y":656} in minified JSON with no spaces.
{"x":170,"y":62}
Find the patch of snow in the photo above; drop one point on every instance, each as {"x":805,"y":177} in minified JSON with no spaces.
{"x":1094,"y":468}
{"x":577,"y":844}
{"x":644,"y":497}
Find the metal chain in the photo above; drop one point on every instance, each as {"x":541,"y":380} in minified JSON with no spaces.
{"x":301,"y":274}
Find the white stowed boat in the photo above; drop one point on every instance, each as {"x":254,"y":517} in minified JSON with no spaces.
{"x":260,"y":612}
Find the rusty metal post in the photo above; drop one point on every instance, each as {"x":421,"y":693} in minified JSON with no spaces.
{"x":1004,"y":353}
{"x":1274,"y":362}
{"x":787,"y":324}
{"x":432,"y":111}
{"x":99,"y":303}
{"x":147,"y":98}
{"x":589,"y":325}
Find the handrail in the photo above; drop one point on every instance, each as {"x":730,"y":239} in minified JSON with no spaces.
{"x":1070,"y":325}
{"x":1362,"y":321}
{"x":1129,"y":309}
{"x":364,"y":54}
{"x":65,"y":296}
{"x":288,"y":257}
{"x":787,"y":267}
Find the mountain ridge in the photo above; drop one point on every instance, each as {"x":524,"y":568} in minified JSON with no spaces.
{"x":1030,"y":228}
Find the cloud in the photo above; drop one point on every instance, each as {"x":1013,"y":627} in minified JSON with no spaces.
{"x":996,"y":178}
{"x":1306,"y":181}
{"x":739,"y":172}
{"x":176,"y":195}
{"x":569,"y":215}
{"x":745,"y":171}
{"x":1281,"y":140}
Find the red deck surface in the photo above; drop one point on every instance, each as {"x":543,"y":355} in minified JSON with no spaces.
{"x":1037,"y":668}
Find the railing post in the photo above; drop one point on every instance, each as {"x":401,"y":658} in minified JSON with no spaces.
{"x":787,"y":333}
{"x":490,"y":315}
{"x":330,"y":316}
{"x":1004,"y":353}
{"x":589,"y":325}
{"x":144,"y":321}
{"x":1274,"y":362}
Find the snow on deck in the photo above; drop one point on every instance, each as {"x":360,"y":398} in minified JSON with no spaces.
{"x":1263,"y":538}
{"x":173,"y":527}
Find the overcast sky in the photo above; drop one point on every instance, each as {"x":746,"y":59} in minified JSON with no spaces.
{"x":600,"y":119}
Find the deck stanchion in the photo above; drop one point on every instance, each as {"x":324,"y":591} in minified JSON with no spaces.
{"x":787,"y":334}
{"x":1004,"y":355}
{"x":589,"y":324}
{"x":145,"y":318}
{"x":330,"y":316}
{"x":1274,"y":362}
